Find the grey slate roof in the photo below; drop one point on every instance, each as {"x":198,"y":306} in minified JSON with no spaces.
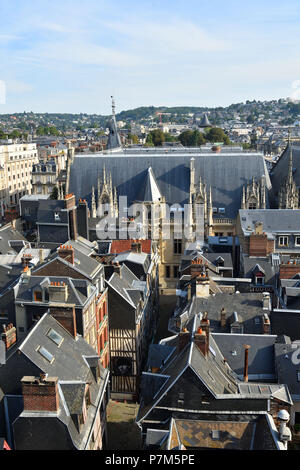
{"x":273,"y":220}
{"x":261,"y":356}
{"x":158,"y":354}
{"x":46,"y":210}
{"x":82,"y":262}
{"x":77,"y":288}
{"x":124,"y":285}
{"x":280,"y":170}
{"x":247,"y":305}
{"x":226,"y":173}
{"x":7,"y":234}
{"x":270,"y":270}
{"x":69,"y":365}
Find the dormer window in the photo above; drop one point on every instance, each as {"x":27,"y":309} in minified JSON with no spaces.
{"x":283,"y":241}
{"x":38,"y":296}
{"x":260,"y":279}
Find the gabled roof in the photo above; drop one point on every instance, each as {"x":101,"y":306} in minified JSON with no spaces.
{"x":124,"y":286}
{"x":83,"y":263}
{"x":211,"y":371}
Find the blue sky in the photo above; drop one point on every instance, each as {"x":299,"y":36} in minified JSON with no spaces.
{"x":71,"y":55}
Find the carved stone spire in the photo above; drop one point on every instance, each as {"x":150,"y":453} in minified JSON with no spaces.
{"x":94,"y":208}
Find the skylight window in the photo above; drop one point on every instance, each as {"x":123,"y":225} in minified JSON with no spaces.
{"x":46,"y":354}
{"x":57,"y":338}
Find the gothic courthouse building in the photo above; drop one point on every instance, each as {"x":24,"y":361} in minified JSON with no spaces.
{"x":223,"y":180}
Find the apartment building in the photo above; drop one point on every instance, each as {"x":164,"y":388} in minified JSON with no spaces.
{"x":16,"y":161}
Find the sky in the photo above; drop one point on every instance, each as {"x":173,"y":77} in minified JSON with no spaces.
{"x":71,"y":55}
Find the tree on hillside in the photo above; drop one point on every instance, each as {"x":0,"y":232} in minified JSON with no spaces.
{"x":216,"y":134}
{"x":156,"y":137}
{"x":192,"y":138}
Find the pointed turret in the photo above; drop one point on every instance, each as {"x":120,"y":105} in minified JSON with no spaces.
{"x":150,"y":191}
{"x":113,"y":141}
{"x":204,"y":121}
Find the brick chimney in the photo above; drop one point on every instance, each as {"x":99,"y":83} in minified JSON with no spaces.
{"x":260,"y":245}
{"x":289,"y":270}
{"x":26,"y":260}
{"x":201,"y":341}
{"x":40,"y":393}
{"x":196,"y":267}
{"x":9,"y":335}
{"x":58,"y":291}
{"x":266,"y":324}
{"x":66,"y":317}
{"x":70,"y":201}
{"x":223,"y":318}
{"x":184,"y":338}
{"x":66,"y":252}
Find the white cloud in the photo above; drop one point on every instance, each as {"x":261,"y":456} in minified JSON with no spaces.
{"x":173,"y":37}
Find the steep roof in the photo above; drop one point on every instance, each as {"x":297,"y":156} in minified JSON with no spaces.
{"x":226,"y":173}
{"x":204,"y":121}
{"x":280,"y":170}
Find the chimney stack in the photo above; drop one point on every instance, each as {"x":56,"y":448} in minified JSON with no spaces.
{"x":223,"y":318}
{"x":266,"y":324}
{"x":202,"y":285}
{"x":184,"y":338}
{"x":40,"y":393}
{"x":65,"y":316}
{"x":66,"y":252}
{"x":201,"y":341}
{"x":9,"y":335}
{"x":58,"y":292}
{"x":26,"y":260}
{"x":117,"y":269}
{"x":205,"y":326}
{"x":247,"y":347}
{"x":266,"y":301}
